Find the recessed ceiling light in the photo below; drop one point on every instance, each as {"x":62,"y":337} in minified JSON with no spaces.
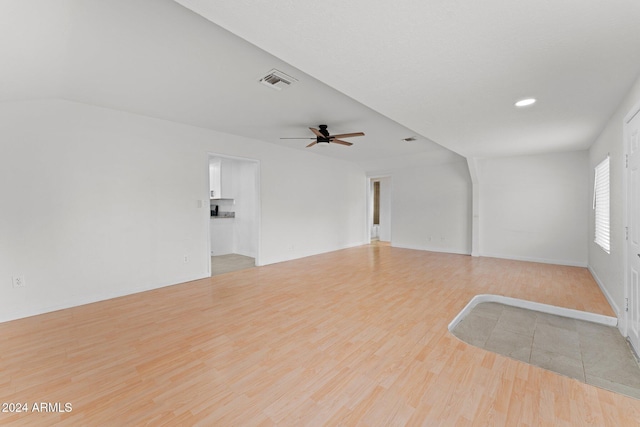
{"x":525,"y":102}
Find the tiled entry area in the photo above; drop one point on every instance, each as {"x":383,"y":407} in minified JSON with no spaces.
{"x":592,"y":353}
{"x":231,"y":262}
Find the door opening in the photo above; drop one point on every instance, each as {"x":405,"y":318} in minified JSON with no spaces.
{"x":379,"y":218}
{"x":375,"y":229}
{"x":234,"y":224}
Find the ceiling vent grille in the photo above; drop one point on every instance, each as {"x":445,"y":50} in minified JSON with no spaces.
{"x":277,"y":80}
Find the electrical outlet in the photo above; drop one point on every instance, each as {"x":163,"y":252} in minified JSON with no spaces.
{"x":18,"y":281}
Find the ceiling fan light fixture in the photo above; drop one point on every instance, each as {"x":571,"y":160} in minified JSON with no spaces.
{"x":525,"y":102}
{"x":323,"y":136}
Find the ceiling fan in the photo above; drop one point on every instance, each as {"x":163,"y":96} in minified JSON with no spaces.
{"x":323,"y":136}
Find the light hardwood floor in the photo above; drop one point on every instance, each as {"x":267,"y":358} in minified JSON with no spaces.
{"x":353,"y":337}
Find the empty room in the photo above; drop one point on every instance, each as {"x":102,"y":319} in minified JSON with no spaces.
{"x":319,"y":213}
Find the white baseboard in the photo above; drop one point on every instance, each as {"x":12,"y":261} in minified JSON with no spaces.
{"x":534,"y":259}
{"x":298,"y":255}
{"x":536,"y":306}
{"x":432,"y":249}
{"x":35,"y":311}
{"x":606,"y":293}
{"x":610,"y":299}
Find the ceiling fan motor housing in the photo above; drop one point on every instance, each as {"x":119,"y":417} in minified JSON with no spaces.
{"x":323,"y":130}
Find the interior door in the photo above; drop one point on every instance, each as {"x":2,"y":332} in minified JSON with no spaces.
{"x":632,"y":131}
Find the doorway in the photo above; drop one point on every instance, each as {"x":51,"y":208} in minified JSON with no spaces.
{"x":234,"y":223}
{"x":379,"y":211}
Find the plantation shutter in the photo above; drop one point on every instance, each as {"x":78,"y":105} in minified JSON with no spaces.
{"x":601,"y":204}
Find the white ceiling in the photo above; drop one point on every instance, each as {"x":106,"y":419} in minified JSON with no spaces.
{"x":452,"y":69}
{"x":442,"y":71}
{"x":156,"y":58}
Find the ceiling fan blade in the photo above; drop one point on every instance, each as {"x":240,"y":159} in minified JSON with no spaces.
{"x":312,"y":144}
{"x":316,"y":132}
{"x":341,"y":142}
{"x":348,"y":135}
{"x":298,"y":138}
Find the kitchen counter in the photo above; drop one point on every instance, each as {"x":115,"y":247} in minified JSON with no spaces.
{"x":224,"y":215}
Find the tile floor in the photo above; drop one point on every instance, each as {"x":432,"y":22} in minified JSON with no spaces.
{"x":231,"y":262}
{"x":589,"y":352}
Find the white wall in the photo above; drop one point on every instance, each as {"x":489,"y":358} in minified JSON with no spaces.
{"x":608,"y":269}
{"x":98,"y":203}
{"x":534,"y":208}
{"x":431,"y":207}
{"x":246,"y":221}
{"x":313,"y":209}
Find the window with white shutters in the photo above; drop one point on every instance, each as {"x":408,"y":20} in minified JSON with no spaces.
{"x":601,"y":204}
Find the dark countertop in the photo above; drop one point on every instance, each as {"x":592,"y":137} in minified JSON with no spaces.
{"x":224,"y":215}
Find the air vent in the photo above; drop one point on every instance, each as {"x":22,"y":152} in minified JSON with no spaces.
{"x":277,"y":80}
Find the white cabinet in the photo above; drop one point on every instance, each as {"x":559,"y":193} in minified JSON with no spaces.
{"x":220,"y":178}
{"x":222,"y":236}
